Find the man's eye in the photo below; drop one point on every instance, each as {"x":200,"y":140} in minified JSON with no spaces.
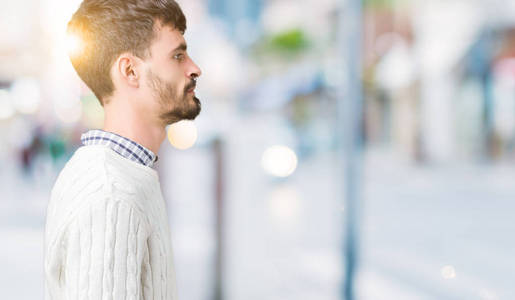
{"x":179,"y":56}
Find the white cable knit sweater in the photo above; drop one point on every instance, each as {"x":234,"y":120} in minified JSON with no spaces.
{"x":107,"y":234}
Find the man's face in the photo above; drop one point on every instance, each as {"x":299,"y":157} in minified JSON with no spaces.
{"x":170,"y":78}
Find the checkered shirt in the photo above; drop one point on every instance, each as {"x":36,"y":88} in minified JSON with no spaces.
{"x":122,"y":145}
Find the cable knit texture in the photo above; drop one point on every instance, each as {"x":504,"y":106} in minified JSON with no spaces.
{"x":107,"y":234}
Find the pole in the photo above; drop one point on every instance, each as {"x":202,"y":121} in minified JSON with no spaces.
{"x":350,"y":114}
{"x":219,"y":197}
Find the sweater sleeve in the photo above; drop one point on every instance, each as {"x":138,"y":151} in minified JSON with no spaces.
{"x":105,"y":246}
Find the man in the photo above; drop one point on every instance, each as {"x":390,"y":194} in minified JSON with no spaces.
{"x":107,"y":234}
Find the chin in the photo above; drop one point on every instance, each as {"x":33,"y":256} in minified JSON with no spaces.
{"x":173,"y":117}
{"x":198,"y":106}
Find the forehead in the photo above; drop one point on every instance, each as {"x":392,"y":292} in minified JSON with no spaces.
{"x":167,"y":38}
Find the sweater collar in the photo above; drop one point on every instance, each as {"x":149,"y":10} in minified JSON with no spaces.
{"x":121,"y":145}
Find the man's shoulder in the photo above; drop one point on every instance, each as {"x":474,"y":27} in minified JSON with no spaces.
{"x":82,"y":164}
{"x":89,"y":177}
{"x":91,"y":170}
{"x":95,"y":170}
{"x":93,"y":165}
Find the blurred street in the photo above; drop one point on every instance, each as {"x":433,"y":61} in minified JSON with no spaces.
{"x":422,"y":91}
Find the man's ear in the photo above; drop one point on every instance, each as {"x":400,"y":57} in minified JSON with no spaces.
{"x":128,"y":68}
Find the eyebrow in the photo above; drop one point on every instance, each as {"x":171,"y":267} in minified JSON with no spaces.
{"x":182,"y":47}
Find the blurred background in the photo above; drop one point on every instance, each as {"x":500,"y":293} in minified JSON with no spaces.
{"x":345,"y":150}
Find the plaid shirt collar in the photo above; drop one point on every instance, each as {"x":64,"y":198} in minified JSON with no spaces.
{"x":122,"y":145}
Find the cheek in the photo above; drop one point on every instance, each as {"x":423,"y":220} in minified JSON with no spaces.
{"x":175,"y":80}
{"x":170,"y":71}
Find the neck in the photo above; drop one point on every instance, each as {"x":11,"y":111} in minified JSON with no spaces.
{"x":132,"y":126}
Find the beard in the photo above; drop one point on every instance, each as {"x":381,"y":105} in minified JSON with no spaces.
{"x":174,"y":107}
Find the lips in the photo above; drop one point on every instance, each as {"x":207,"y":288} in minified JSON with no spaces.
{"x":191,"y":87}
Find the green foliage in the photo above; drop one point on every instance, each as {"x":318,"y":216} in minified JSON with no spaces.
{"x":381,"y":3}
{"x":289,"y":41}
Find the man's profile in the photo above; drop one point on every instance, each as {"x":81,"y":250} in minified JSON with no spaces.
{"x":107,"y":234}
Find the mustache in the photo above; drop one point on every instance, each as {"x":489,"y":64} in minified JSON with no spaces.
{"x":190,"y":85}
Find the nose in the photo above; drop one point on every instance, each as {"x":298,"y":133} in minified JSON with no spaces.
{"x":193,"y":70}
